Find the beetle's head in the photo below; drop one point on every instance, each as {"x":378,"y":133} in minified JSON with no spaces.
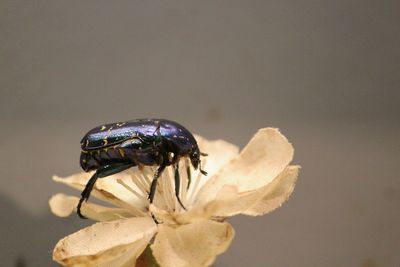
{"x":195,"y":159}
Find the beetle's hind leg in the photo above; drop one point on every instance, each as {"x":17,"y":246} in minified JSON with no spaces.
{"x":100,"y":173}
{"x":86,"y":193}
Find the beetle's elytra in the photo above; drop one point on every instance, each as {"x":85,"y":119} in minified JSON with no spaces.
{"x":114,"y":147}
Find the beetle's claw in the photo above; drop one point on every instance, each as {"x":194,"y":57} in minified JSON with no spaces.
{"x":78,"y":209}
{"x":203,"y":172}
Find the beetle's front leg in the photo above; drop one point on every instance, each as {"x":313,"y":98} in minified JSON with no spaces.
{"x":178,"y":184}
{"x":188,"y":173}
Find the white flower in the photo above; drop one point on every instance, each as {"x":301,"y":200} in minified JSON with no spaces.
{"x":254,"y":182}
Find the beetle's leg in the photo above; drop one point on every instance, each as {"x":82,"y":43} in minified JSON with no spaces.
{"x":201,"y":170}
{"x":178,"y":184}
{"x":153,"y":188}
{"x":154,"y":182}
{"x":100,"y":173}
{"x":86,"y":193}
{"x":188,"y":174}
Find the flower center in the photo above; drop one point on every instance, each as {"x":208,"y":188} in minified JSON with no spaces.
{"x":165,"y":196}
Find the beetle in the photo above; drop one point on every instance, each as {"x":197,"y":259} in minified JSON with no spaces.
{"x":115,"y":147}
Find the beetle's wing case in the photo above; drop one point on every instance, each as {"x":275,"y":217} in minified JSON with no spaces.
{"x":107,"y":135}
{"x":118,"y":133}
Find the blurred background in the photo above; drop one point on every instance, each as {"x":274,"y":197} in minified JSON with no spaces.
{"x":327,"y":73}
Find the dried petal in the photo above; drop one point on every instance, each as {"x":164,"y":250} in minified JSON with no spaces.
{"x":260,"y":201}
{"x":194,"y":245}
{"x":106,"y":242}
{"x":263,"y":159}
{"x":276,"y":193}
{"x":62,"y":205}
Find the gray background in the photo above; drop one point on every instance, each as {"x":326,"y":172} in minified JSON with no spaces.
{"x":325,"y":72}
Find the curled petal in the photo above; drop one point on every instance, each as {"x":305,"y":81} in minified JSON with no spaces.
{"x":63,"y":205}
{"x":260,"y":201}
{"x":106,"y":243}
{"x":194,"y":245}
{"x":276,"y":193}
{"x":262,"y":160}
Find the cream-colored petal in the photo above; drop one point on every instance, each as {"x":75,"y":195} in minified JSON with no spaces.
{"x":106,"y":242}
{"x":195,"y":245}
{"x":108,"y":189}
{"x":276,"y":193}
{"x":263,"y":159}
{"x":63,"y":206}
{"x":127,"y":259}
{"x":260,"y":201}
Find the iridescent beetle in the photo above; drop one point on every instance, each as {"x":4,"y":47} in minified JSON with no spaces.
{"x":115,"y":147}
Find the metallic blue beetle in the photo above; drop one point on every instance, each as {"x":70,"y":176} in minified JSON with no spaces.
{"x":115,"y":147}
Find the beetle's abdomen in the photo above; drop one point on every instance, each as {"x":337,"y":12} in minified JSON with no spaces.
{"x":92,"y":160}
